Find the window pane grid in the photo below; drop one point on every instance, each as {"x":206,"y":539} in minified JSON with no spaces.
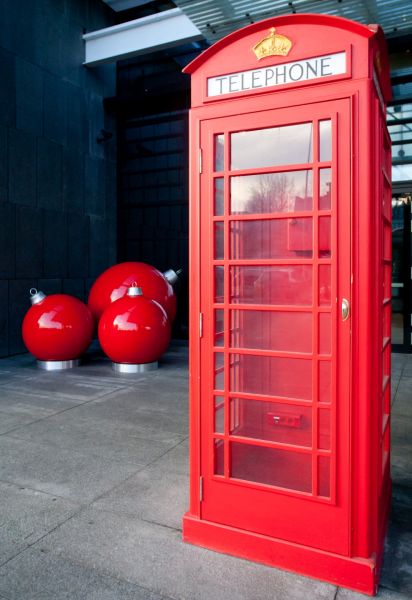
{"x":234,"y":264}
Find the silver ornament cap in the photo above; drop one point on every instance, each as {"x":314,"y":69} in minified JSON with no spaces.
{"x":36,"y":297}
{"x":172,"y":276}
{"x":134,"y":290}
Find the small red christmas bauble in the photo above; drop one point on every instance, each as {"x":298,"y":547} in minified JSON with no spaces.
{"x":57,"y":327}
{"x":134,"y":329}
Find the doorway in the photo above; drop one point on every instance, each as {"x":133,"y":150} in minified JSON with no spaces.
{"x":401,"y":270}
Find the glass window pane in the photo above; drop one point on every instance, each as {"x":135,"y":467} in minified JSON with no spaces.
{"x":219,"y":371}
{"x":219,"y":283}
{"x":281,"y":238}
{"x":287,"y":145}
{"x":325,"y":333}
{"x":324,"y":429}
{"x":219,"y":240}
{"x":219,"y":414}
{"x":219,"y":327}
{"x":277,"y":285}
{"x":272,"y":376}
{"x":324,"y":381}
{"x":273,"y":421}
{"x":219,"y":151}
{"x":219,"y":197}
{"x":324,"y":237}
{"x":219,"y":454}
{"x":281,"y":468}
{"x":325,"y":140}
{"x":325,"y":186}
{"x":324,"y":476}
{"x":279,"y":331}
{"x":271,"y":193}
{"x":324,"y":285}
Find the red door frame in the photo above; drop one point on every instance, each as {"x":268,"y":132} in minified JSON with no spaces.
{"x":324,"y":522}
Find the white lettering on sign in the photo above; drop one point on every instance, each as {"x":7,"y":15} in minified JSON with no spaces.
{"x":292,"y":72}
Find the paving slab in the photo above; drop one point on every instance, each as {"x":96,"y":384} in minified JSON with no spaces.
{"x":383,"y":594}
{"x":401,"y":464}
{"x":36,"y":575}
{"x":27,"y":515}
{"x":153,"y":494}
{"x":397,"y":565}
{"x":176,"y":459}
{"x":155,"y":557}
{"x":105,"y":437}
{"x":66,"y":473}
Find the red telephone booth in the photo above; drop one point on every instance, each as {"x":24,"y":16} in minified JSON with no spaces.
{"x":290,"y":298}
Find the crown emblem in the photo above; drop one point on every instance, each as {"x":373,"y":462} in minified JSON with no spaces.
{"x":272,"y":45}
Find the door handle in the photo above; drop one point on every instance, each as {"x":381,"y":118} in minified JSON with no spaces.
{"x":345,"y":309}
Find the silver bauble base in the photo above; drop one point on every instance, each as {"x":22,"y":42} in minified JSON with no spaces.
{"x":140,"y":368}
{"x":58,"y":365}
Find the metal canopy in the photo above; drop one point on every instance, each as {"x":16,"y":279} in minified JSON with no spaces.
{"x":217,"y":18}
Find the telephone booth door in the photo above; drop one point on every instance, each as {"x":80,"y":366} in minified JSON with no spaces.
{"x":274,"y":270}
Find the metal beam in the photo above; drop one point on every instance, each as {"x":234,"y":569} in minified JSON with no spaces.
{"x":141,"y":36}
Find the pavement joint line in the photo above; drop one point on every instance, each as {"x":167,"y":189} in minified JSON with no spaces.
{"x":336,"y":593}
{"x":107,"y":492}
{"x":124,"y":513}
{"x":27,"y":487}
{"x":100,"y":572}
{"x":76,"y":452}
{"x":28,"y":546}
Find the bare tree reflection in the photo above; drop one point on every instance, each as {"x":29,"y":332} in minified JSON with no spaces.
{"x":272,"y":193}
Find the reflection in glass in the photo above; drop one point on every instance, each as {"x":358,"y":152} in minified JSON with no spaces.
{"x":324,"y":429}
{"x":287,"y":145}
{"x":219,"y":240}
{"x":219,"y":327}
{"x":282,"y":468}
{"x":325,"y":186}
{"x":280,"y":238}
{"x":272,"y":421}
{"x":266,"y":330}
{"x":219,"y":414}
{"x":324,"y":285}
{"x":324,"y":381}
{"x":278,"y":285}
{"x":324,"y":237}
{"x":271,"y":376}
{"x":219,"y":454}
{"x":219,"y":371}
{"x":271,"y":192}
{"x":219,"y":197}
{"x":219,"y":151}
{"x":324,"y":476}
{"x":219,"y":283}
{"x":325,"y":140}
{"x":325,"y":333}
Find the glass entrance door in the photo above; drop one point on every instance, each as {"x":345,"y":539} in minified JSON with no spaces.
{"x":275,"y":266}
{"x":401,"y":272}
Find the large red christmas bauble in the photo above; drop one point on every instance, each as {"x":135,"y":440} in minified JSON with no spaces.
{"x":134,"y":329}
{"x":57,"y":327}
{"x":113,"y":284}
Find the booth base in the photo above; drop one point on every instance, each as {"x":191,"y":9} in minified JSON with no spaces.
{"x":358,"y":574}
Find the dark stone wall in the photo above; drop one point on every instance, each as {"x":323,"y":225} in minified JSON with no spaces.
{"x":153,"y":158}
{"x":57,"y":183}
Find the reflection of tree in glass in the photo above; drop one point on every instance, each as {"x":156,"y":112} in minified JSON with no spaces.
{"x":272,"y":193}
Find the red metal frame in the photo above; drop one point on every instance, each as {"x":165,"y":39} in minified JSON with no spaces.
{"x":338,"y":536}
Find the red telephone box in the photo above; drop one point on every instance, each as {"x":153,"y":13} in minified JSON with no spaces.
{"x":290,"y":297}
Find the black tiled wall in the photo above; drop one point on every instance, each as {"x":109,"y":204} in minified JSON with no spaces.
{"x":57,"y":184}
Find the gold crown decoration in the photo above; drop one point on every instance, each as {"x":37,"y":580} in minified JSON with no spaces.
{"x":272,"y":45}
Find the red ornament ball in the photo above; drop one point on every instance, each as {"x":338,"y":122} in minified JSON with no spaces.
{"x":134,"y":329}
{"x":113,"y":284}
{"x":57,"y":327}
